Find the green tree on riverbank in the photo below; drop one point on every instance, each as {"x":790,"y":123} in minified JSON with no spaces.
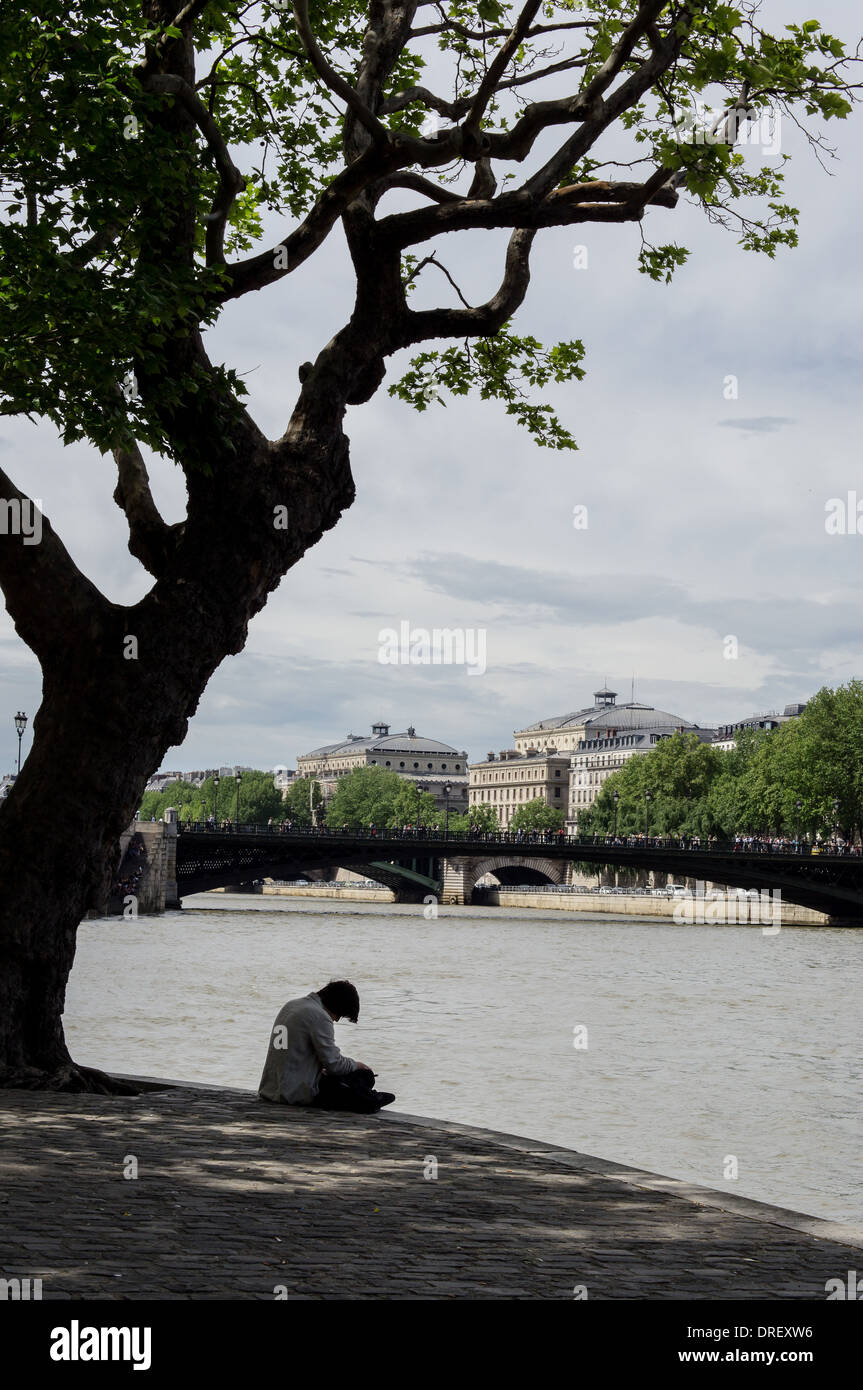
{"x":480,"y":819}
{"x":377,"y":796}
{"x":260,"y":800}
{"x":537,"y":815}
{"x":695,"y":789}
{"x":303,"y":801}
{"x":677,"y":773}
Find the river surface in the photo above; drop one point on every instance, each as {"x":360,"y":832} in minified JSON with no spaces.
{"x":706,"y":1047}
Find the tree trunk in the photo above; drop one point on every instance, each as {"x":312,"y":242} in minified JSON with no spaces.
{"x":111,"y":709}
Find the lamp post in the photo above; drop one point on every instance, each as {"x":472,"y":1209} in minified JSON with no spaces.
{"x":447,"y":788}
{"x":20,"y":726}
{"x":616,"y":798}
{"x":647,"y":815}
{"x":215,"y":799}
{"x":799,"y":804}
{"x":836,"y":821}
{"x":237,"y":812}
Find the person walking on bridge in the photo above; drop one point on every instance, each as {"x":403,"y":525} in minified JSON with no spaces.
{"x":305,"y":1067}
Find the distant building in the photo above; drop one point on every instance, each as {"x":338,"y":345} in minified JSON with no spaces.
{"x":598,"y":740}
{"x":726,"y":734}
{"x":196,"y":777}
{"x":282,"y":779}
{"x":428,"y":763}
{"x":511,"y":780}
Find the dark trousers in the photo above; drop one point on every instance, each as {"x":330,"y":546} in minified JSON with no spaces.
{"x":351,"y":1090}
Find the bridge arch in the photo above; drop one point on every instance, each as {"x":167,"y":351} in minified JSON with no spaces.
{"x":461,"y":874}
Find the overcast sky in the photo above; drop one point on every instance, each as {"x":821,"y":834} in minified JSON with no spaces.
{"x":706,"y":516}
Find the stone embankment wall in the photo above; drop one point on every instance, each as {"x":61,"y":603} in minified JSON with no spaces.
{"x":724,"y":911}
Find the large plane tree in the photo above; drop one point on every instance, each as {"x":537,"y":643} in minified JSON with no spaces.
{"x":147,"y":152}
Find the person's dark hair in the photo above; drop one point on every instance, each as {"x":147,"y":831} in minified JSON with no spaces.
{"x":341,"y":998}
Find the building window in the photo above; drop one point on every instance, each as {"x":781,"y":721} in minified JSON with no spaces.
{"x":416,"y":764}
{"x":401,"y":764}
{"x":429,"y":766}
{"x":443,"y":767}
{"x":388,"y":763}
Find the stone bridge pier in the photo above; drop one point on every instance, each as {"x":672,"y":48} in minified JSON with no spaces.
{"x":157,"y":886}
{"x":459,"y":876}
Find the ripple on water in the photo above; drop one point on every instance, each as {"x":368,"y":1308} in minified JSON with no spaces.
{"x":702,"y":1041}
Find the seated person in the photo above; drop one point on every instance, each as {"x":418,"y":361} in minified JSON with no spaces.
{"x":304,"y":1066}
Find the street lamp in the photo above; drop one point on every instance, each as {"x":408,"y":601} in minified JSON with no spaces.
{"x":616,"y":799}
{"x":215,"y":799}
{"x":237,"y":812}
{"x":20,"y":725}
{"x":799,"y":804}
{"x":447,"y":788}
{"x":647,"y":815}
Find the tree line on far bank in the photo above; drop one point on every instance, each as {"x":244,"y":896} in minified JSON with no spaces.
{"x":806,"y":778}
{"x":366,"y":796}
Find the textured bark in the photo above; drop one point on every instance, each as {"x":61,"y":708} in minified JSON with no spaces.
{"x":106,"y":721}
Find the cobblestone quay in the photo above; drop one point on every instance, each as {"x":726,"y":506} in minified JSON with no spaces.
{"x":235,"y":1198}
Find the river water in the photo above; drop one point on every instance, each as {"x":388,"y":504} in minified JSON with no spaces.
{"x":686,"y":1050}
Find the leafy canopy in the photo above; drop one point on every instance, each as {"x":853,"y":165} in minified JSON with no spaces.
{"x":147,"y":154}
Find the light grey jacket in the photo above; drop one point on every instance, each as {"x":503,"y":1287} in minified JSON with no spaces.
{"x":302,"y":1043}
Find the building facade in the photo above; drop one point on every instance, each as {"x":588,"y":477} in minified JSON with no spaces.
{"x":564,"y":760}
{"x":611,"y":734}
{"x":431,"y":765}
{"x":726,"y":734}
{"x":512,"y":779}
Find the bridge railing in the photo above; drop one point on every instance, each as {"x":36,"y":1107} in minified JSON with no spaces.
{"x":511,"y":839}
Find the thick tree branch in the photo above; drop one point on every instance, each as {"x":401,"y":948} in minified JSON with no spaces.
{"x":605,"y":111}
{"x":596,"y":201}
{"x":418,"y":184}
{"x":231,"y":181}
{"x":498,"y":66}
{"x":331,"y":78}
{"x":484,"y":319}
{"x":454,"y":109}
{"x":451,"y":26}
{"x":151,"y":539}
{"x":48,"y":599}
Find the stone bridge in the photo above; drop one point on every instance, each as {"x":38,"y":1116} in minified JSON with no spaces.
{"x":434,"y":863}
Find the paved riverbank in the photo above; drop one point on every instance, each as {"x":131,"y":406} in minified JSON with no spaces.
{"x":237,"y":1199}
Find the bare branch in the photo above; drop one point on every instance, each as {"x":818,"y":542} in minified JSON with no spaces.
{"x":486,"y":318}
{"x":498,"y":66}
{"x":432,"y":260}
